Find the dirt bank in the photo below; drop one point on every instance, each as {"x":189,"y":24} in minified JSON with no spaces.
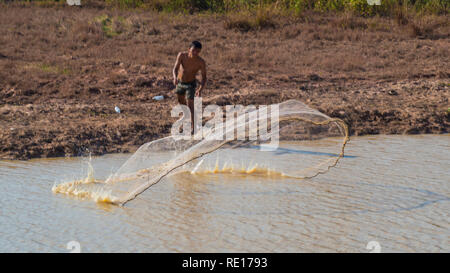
{"x":62,"y":71}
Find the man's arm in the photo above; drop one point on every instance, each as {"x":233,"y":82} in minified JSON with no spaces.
{"x":202,"y":84}
{"x":176,"y":68}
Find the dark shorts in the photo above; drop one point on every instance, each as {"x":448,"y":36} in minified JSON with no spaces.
{"x":190,"y":87}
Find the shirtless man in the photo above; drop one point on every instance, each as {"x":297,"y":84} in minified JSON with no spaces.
{"x":185,"y":81}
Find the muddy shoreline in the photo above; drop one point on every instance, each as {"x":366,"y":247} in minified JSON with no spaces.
{"x":61,"y":76}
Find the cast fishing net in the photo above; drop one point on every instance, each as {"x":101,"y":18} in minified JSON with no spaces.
{"x":287,"y":139}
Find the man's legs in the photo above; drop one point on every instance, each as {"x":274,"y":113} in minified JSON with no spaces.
{"x":191,"y":107}
{"x":190,"y":104}
{"x":181,"y":95}
{"x":190,"y":97}
{"x":181,"y":98}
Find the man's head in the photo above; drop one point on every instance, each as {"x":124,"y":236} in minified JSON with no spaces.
{"x":195,"y":48}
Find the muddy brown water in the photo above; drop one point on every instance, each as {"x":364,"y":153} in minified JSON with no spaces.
{"x":393,"y":190}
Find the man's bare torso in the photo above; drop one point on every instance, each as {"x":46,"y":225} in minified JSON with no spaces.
{"x":189,"y":67}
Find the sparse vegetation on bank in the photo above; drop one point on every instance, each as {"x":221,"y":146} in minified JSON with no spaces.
{"x":248,"y":15}
{"x":359,"y":7}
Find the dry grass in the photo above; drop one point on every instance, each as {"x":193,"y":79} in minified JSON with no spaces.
{"x":98,"y":58}
{"x":247,"y":21}
{"x":428,"y":26}
{"x":91,"y":43}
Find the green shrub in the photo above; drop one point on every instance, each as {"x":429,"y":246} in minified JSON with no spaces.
{"x":111,"y":26}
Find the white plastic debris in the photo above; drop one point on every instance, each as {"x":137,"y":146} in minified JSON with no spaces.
{"x":117,"y":109}
{"x":158,"y":97}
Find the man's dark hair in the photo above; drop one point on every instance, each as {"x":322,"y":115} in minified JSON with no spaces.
{"x":196,"y":44}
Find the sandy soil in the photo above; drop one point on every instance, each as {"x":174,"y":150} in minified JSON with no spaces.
{"x":63,"y":70}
